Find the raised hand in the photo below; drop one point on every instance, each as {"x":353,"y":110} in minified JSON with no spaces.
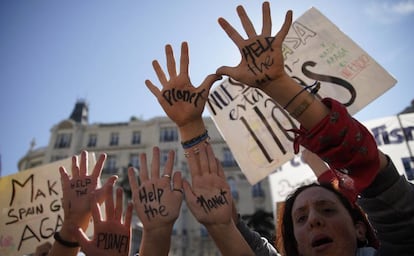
{"x":262,"y":58}
{"x":209,"y":197}
{"x":112,"y":237}
{"x":80,"y":189}
{"x":157,"y":202}
{"x":181,"y":101}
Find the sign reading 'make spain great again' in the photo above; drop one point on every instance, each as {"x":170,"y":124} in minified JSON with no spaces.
{"x":31,"y":207}
{"x":255,"y":127}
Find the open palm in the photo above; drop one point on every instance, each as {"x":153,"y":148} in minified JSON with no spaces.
{"x":262,"y":59}
{"x":181,"y":101}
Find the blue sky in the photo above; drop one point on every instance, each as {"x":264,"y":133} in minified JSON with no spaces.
{"x":53,"y":53}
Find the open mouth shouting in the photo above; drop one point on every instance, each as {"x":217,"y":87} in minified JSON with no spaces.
{"x":321,"y":242}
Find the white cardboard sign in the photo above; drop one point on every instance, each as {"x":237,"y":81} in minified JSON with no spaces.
{"x":31,"y":207}
{"x":254,"y":126}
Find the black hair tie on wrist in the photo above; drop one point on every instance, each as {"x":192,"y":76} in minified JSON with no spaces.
{"x":60,"y":240}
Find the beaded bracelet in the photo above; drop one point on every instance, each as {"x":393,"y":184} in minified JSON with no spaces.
{"x":194,"y":141}
{"x":63,"y":242}
{"x":196,"y":150}
{"x":316,"y":84}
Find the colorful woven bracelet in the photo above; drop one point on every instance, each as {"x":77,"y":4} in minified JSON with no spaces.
{"x":194,"y":141}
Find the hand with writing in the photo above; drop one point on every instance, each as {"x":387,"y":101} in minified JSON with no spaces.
{"x":262,"y":58}
{"x":79,"y":190}
{"x":157,"y":201}
{"x":209,"y":199}
{"x":112,"y":237}
{"x":181,"y":101}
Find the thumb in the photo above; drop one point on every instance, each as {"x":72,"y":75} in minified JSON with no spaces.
{"x":209,"y":81}
{"x":188,"y":191}
{"x":225,"y":70}
{"x":81,"y":236}
{"x":153,"y":89}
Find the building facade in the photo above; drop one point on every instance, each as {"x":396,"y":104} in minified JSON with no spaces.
{"x":123,"y":142}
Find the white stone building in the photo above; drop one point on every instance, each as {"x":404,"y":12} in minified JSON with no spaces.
{"x":123,"y":142}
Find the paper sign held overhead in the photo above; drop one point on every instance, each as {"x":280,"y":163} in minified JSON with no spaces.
{"x":254,"y":126}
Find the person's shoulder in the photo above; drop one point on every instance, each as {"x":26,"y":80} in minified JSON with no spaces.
{"x":367,"y":251}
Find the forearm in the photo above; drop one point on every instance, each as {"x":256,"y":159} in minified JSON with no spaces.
{"x":66,"y":234}
{"x":345,"y":144}
{"x":156,"y":242}
{"x":192,"y":129}
{"x":285,"y":89}
{"x":229,"y":240}
{"x":260,"y":245}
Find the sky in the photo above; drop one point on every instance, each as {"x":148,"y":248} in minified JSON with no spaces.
{"x":53,"y":53}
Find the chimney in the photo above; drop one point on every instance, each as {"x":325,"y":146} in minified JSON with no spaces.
{"x":80,"y":112}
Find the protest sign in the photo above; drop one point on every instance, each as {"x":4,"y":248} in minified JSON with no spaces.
{"x":31,"y":207}
{"x":254,"y":126}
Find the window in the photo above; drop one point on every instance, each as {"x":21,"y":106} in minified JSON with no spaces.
{"x":134,"y":160}
{"x":110,"y":167}
{"x":168,"y":134}
{"x":35,"y":164}
{"x":93,"y":138}
{"x":233,"y":188}
{"x":63,"y":140}
{"x":164,"y":156}
{"x":257,"y":191}
{"x":136,"y":138}
{"x":56,"y":158}
{"x":228,"y":159}
{"x":114,"y":139}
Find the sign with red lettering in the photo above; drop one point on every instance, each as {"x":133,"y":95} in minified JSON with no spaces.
{"x":255,"y":127}
{"x":31,"y":207}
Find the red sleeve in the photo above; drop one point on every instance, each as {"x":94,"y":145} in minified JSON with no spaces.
{"x":344,"y":143}
{"x":343,"y":182}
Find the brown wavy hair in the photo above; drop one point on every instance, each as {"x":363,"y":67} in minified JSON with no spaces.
{"x":287,"y":241}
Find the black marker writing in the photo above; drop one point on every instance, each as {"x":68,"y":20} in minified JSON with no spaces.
{"x":151,"y":198}
{"x":175,"y":95}
{"x":109,"y":241}
{"x":214,"y":202}
{"x":46,"y":230}
{"x":81,"y":186}
{"x":256,"y":49}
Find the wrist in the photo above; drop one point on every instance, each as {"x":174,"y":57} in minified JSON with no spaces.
{"x":284,"y":84}
{"x":67,"y":232}
{"x":65,"y":242}
{"x":220,"y":227}
{"x":81,"y":221}
{"x":160,"y":233}
{"x":192,"y":129}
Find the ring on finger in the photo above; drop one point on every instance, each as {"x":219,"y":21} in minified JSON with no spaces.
{"x":166,"y":176}
{"x":179,"y":190}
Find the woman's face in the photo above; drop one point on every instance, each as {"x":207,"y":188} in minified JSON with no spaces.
{"x":322,"y":225}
